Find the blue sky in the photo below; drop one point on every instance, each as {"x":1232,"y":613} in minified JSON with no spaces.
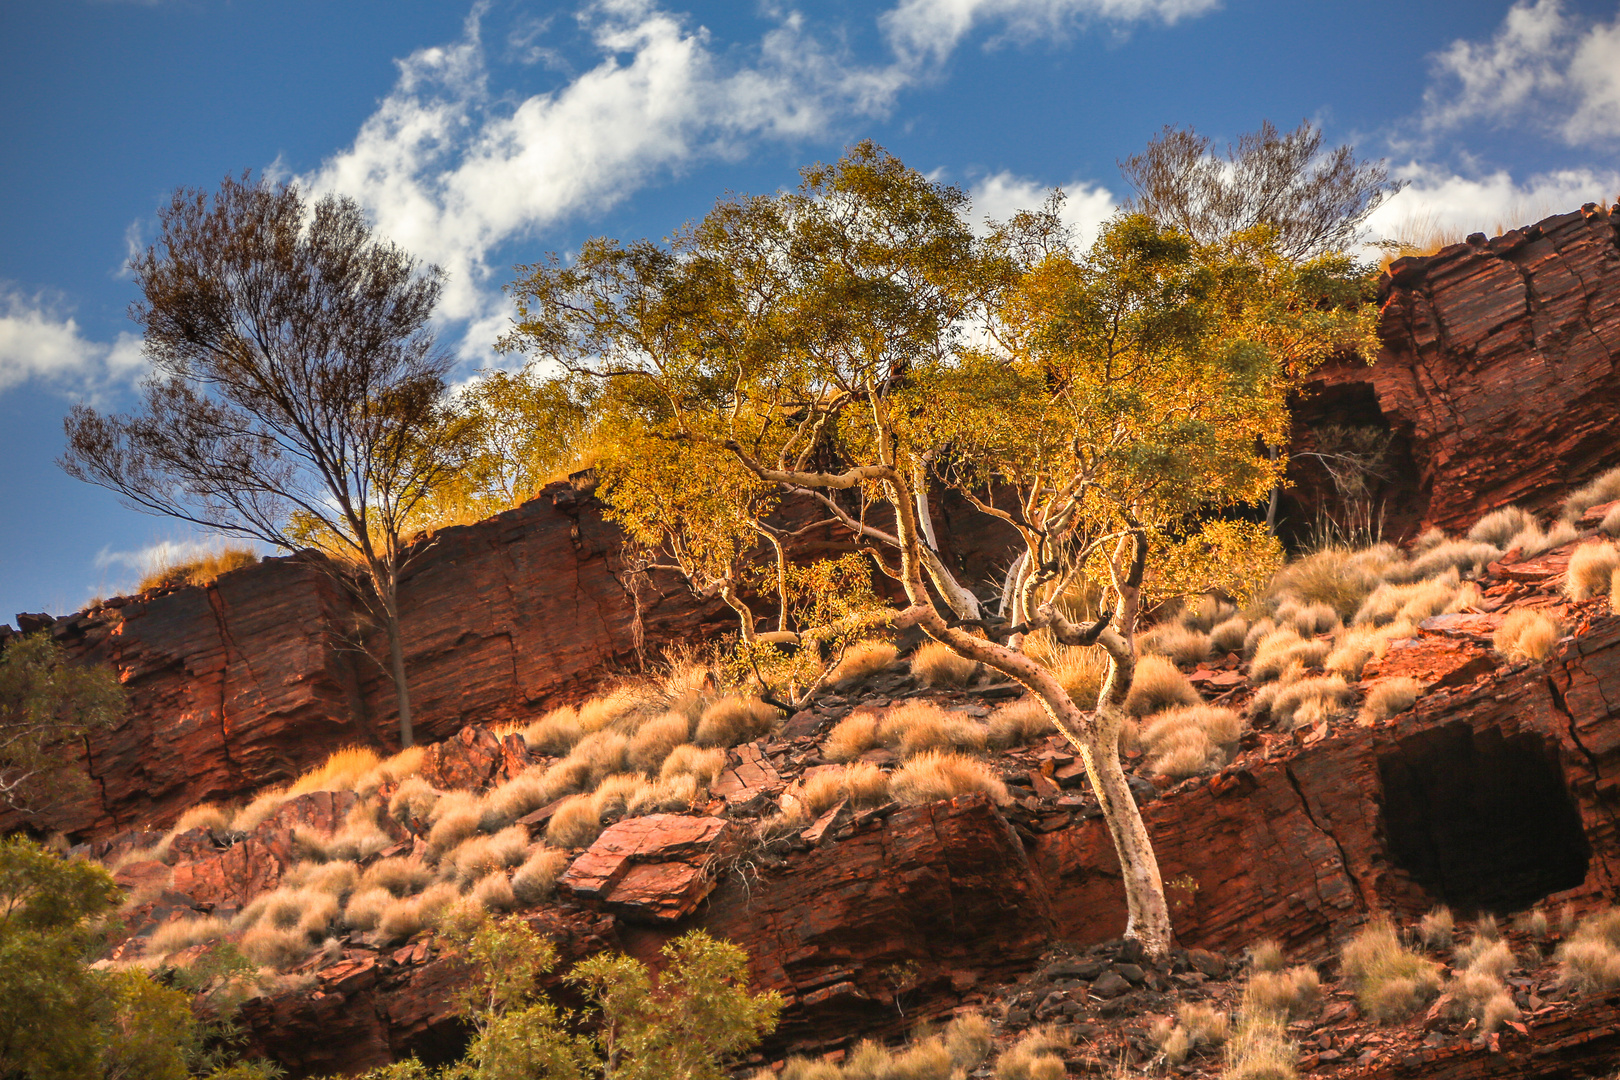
{"x":488,"y":135}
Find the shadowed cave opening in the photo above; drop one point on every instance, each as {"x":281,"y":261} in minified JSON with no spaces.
{"x":1481,"y":820}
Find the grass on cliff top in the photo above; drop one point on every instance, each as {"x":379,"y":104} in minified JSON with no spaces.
{"x":198,"y":570}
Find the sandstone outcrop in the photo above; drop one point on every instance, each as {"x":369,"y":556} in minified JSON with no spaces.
{"x":1499,"y":376}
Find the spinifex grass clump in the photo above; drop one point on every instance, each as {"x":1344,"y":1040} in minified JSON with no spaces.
{"x":1390,"y":981}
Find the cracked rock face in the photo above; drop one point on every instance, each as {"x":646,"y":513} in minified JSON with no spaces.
{"x":1499,"y":376}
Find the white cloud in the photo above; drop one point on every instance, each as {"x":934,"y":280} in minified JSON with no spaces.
{"x":999,"y":196}
{"x":930,"y":30}
{"x":1438,"y":203}
{"x":1542,"y":64}
{"x":39,"y":344}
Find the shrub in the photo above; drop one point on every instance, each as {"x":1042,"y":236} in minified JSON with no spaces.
{"x":1266,"y":955}
{"x":933,"y":775}
{"x":1501,"y":526}
{"x":967,"y":1041}
{"x":413,"y":801}
{"x":655,"y":739}
{"x":575,"y":823}
{"x":1181,"y":644}
{"x":275,"y":948}
{"x":1610,"y":526}
{"x":365,"y":908}
{"x":1017,"y":723}
{"x":916,"y":726}
{"x":1605,"y":488}
{"x":341,"y":771}
{"x":172,"y":937}
{"x":733,"y":720}
{"x":935,"y":664}
{"x":556,"y":732}
{"x":1591,"y":570}
{"x":853,"y":736}
{"x":1436,"y":928}
{"x":862,"y":660}
{"x":1158,"y":685}
{"x":687,"y":760}
{"x":400,"y":876}
{"x":478,"y":856}
{"x":1390,"y":981}
{"x":1527,"y":634}
{"x":1205,"y":613}
{"x":536,"y":879}
{"x":1227,"y":636}
{"x":1387,"y":698}
{"x":455,"y":817}
{"x":1309,"y":701}
{"x":1294,"y":993}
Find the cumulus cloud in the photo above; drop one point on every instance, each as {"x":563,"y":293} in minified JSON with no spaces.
{"x":1543,"y":63}
{"x":1439,"y":205}
{"x":39,"y":343}
{"x":922,"y":31}
{"x":999,"y":196}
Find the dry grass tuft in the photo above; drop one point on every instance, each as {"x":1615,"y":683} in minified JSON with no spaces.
{"x":202,"y":816}
{"x":1190,"y":740}
{"x":1533,"y":923}
{"x":414,"y":800}
{"x":654,"y":741}
{"x":1035,"y":1056}
{"x":494,"y":893}
{"x":1467,"y":557}
{"x":340,"y":772}
{"x":733,"y":720}
{"x":1390,"y":981}
{"x":1610,"y":525}
{"x":1227,"y":636}
{"x":863,"y":784}
{"x":936,"y":664}
{"x":1258,"y":631}
{"x":1614,"y":592}
{"x":619,"y":706}
{"x":1308,"y":620}
{"x":275,"y":948}
{"x":1282,"y":649}
{"x":1338,"y":577}
{"x":1204,"y":613}
{"x":1017,"y":723}
{"x":575,"y":823}
{"x":932,"y":776}
{"x":851,"y":737}
{"x":555,"y":733}
{"x":1259,"y":1049}
{"x":1531,"y":541}
{"x":197,"y":571}
{"x":536,"y":879}
{"x":404,"y":919}
{"x":365,"y":908}
{"x":400,"y":876}
{"x":180,"y":934}
{"x":665,"y":795}
{"x":1158,"y":685}
{"x":479,"y":856}
{"x":704,"y":765}
{"x":1501,"y":526}
{"x":1266,"y":955}
{"x":1437,"y":927}
{"x":917,"y":726}
{"x":1591,"y":570}
{"x":1309,"y":702}
{"x":393,"y":770}
{"x":1605,"y":488}
{"x":1080,"y":672}
{"x":337,"y":878}
{"x":1428,"y":540}
{"x":254,"y":813}
{"x":1387,"y":698}
{"x":1411,"y":602}
{"x":862,"y":660}
{"x":1294,"y":993}
{"x":1181,"y":644}
{"x":968,"y":1041}
{"x":1527,"y":634}
{"x":1590,"y":959}
{"x":455,"y":817}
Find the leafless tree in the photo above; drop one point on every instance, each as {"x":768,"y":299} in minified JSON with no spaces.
{"x":296,"y":397}
{"x":1316,"y":200}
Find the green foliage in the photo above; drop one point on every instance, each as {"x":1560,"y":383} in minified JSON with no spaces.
{"x":684,"y":1024}
{"x":1234,"y":558}
{"x":59,"y":1018}
{"x":46,"y":705}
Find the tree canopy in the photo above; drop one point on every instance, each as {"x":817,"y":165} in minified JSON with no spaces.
{"x":46,"y":706}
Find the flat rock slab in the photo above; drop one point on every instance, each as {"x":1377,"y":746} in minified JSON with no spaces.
{"x":656,"y":866}
{"x":747,"y":775}
{"x":1437,"y":661}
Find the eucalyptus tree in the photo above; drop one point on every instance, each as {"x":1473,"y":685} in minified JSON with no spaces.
{"x":296,"y":394}
{"x":853,"y":347}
